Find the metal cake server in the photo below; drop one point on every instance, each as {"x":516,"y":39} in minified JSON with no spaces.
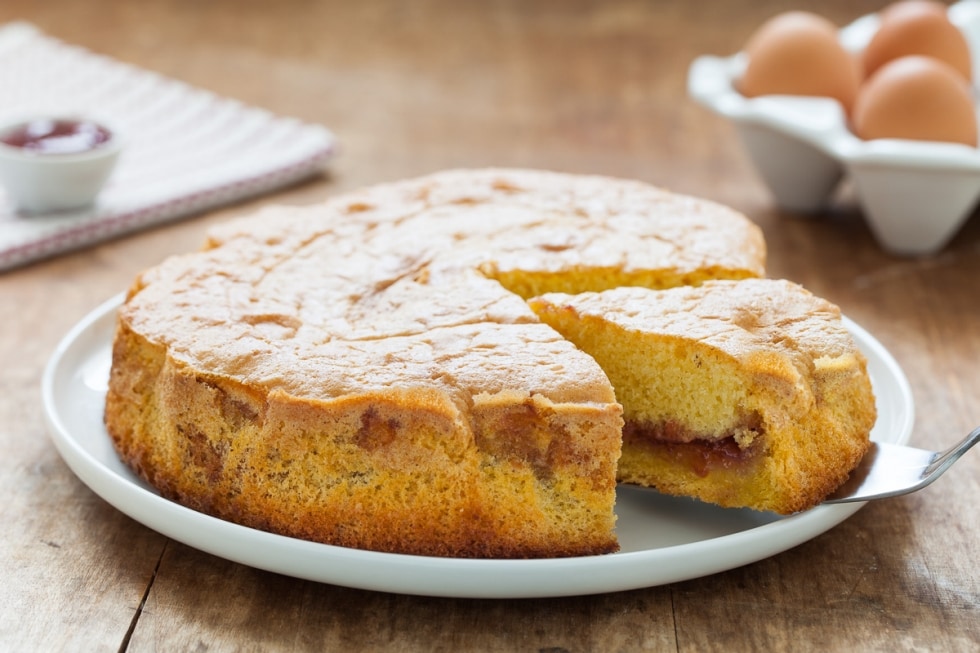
{"x":890,"y":470}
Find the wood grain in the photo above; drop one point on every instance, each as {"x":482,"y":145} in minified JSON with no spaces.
{"x":416,"y":87}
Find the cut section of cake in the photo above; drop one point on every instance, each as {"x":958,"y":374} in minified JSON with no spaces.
{"x":746,"y":393}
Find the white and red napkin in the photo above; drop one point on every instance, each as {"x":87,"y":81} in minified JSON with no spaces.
{"x":186,"y":149}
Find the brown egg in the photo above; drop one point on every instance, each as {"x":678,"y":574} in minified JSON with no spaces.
{"x":918,"y":98}
{"x":798,"y":53}
{"x":917,"y":27}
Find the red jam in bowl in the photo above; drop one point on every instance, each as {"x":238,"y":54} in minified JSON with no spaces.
{"x":57,"y":136}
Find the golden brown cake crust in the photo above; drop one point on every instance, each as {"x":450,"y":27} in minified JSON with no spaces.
{"x":356,"y":373}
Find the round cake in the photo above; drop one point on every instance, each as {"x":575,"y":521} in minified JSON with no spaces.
{"x":366,"y":372}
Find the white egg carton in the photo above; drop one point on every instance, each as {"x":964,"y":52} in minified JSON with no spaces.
{"x":915,"y":194}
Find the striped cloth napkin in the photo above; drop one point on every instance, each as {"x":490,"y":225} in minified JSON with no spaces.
{"x":186,"y":149}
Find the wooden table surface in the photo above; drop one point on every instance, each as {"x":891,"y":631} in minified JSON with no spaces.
{"x":414,"y":87}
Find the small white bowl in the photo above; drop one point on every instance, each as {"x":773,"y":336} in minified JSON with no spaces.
{"x":47,"y":182}
{"x":915,"y":195}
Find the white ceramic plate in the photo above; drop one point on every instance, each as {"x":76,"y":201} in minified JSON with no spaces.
{"x":663,"y":539}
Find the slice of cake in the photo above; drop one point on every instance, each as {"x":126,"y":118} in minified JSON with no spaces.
{"x":741,"y":393}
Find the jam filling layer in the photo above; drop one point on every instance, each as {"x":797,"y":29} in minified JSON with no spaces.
{"x":700,"y":453}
